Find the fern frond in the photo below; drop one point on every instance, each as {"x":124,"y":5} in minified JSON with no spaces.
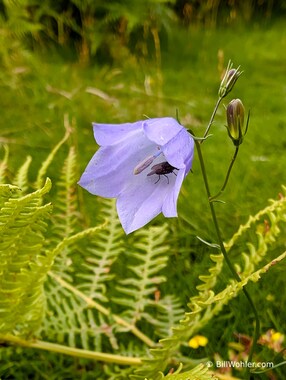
{"x":21,"y":178}
{"x":66,"y":216}
{"x":23,"y":264}
{"x":69,"y":319}
{"x":200,"y":372}
{"x":150,"y":257}
{"x":202,"y":312}
{"x":117,"y":373}
{"x":88,"y":233}
{"x":45,"y":165}
{"x":7,"y":191}
{"x":174,"y":311}
{"x":16,"y":210}
{"x":278,"y":207}
{"x":65,"y":219}
{"x":170,"y":312}
{"x":4,"y":165}
{"x":209,"y":281}
{"x":101,"y":254}
{"x":131,"y":349}
{"x":103,"y":310}
{"x":267,"y":232}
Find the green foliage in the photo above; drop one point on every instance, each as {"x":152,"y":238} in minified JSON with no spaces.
{"x":65,"y":219}
{"x":47,"y":162}
{"x":90,"y":26}
{"x":199,"y":372}
{"x":203,"y":310}
{"x":108,"y":293}
{"x":69,"y":320}
{"x":169,"y":314}
{"x":24,"y":264}
{"x":21,"y":178}
{"x":65,"y":222}
{"x":98,"y":265}
{"x":150,"y":258}
{"x":101,"y":254}
{"x":87,"y":26}
{"x":266,"y":224}
{"x":208,"y":303}
{"x":3,"y":165}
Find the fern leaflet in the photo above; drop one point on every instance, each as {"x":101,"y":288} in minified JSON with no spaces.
{"x":23,"y":264}
{"x":45,"y":165}
{"x":21,"y":178}
{"x":3,"y":165}
{"x":150,"y":257}
{"x":170,"y":312}
{"x":70,"y":320}
{"x":203,"y":310}
{"x":266,"y":232}
{"x":101,"y":253}
{"x":65,"y":218}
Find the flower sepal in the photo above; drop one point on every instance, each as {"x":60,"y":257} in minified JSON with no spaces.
{"x":228,"y":81}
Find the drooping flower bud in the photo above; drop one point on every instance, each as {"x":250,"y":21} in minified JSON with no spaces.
{"x":235,"y":121}
{"x":228,"y":81}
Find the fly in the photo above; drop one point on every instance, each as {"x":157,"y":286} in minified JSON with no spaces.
{"x":162,"y":169}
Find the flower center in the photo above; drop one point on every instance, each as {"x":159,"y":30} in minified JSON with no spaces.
{"x":146,"y":163}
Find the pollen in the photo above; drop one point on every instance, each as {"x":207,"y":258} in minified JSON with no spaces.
{"x":145,"y":163}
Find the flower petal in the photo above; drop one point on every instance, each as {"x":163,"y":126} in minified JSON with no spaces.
{"x":111,"y":168}
{"x":143,"y":200}
{"x":179,"y":151}
{"x":169,"y":208}
{"x":110,"y":134}
{"x":98,"y":177}
{"x":161,"y":130}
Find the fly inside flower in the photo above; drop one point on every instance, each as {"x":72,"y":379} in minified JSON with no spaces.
{"x":162,"y":169}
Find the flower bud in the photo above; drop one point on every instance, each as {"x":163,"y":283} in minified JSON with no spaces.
{"x":235,"y":121}
{"x":228,"y":81}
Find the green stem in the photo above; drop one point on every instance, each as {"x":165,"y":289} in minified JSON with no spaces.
{"x":77,"y":352}
{"x":212,"y":118}
{"x":228,"y":261}
{"x":227,"y":175}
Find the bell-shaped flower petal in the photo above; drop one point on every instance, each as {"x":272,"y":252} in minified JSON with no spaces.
{"x":109,"y":169}
{"x":110,"y":134}
{"x":143,"y":165}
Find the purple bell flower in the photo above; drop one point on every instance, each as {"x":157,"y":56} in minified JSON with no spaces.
{"x":143,"y":165}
